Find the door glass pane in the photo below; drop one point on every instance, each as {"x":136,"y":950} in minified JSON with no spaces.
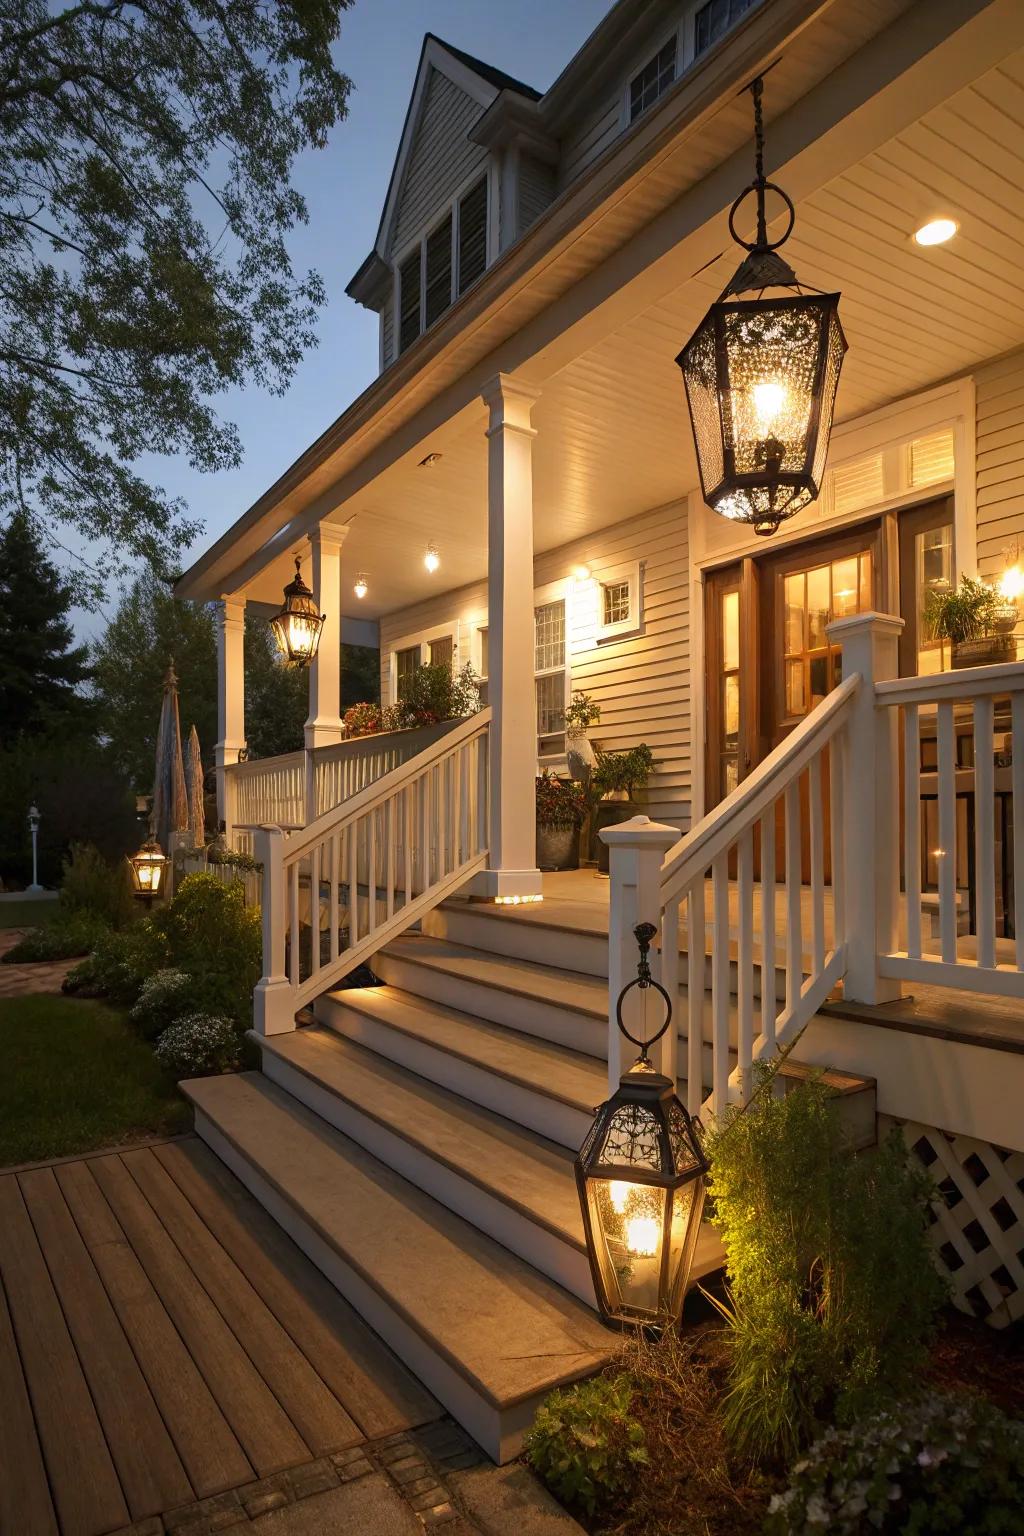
{"x":731,"y":712}
{"x":406,"y":663}
{"x":441,"y":651}
{"x":730,"y":630}
{"x":794,"y":622}
{"x":550,"y":703}
{"x":795,"y":698}
{"x":933,"y":572}
{"x":818,"y":614}
{"x":845,"y":587}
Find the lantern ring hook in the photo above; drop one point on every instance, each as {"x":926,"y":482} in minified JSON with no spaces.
{"x":645,"y":983}
{"x":762,"y":243}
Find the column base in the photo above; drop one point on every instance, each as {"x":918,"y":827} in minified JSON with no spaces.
{"x":323,"y":733}
{"x":509,"y":885}
{"x":273,"y":1007}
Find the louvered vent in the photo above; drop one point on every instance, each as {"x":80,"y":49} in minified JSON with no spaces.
{"x":931,"y":458}
{"x":857,"y":485}
{"x":439,"y":270}
{"x":473,"y":234}
{"x":409,"y":300}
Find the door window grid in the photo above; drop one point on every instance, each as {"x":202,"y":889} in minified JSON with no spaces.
{"x":933,"y":572}
{"x":812,"y":598}
{"x":615,"y":602}
{"x":406,"y":663}
{"x":549,"y":682}
{"x":442,"y":651}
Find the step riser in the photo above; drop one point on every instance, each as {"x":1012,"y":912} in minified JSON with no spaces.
{"x":500,"y":1434}
{"x":549,"y":1117}
{"x":559,"y":1260}
{"x":531,"y":943}
{"x":546,"y":1021}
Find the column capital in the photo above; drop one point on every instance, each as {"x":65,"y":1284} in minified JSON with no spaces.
{"x":329,"y":535}
{"x":510,"y":401}
{"x":230,"y":611}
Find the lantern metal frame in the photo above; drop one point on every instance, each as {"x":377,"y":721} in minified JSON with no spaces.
{"x":762,"y":269}
{"x":646,"y":1110}
{"x":150,"y":856}
{"x":299,"y":602}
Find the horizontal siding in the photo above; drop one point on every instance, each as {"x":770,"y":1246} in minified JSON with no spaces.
{"x":441,"y":159}
{"x":387,"y":333}
{"x":536,"y":189}
{"x":1000,"y":424}
{"x":642,"y":682}
{"x":589,"y":137}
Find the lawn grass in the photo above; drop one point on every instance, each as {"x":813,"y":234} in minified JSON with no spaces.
{"x":27,"y":914}
{"x":76,"y":1078}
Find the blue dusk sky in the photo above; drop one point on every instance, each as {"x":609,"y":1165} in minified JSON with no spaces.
{"x":344,"y":186}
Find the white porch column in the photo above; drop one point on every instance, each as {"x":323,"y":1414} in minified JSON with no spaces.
{"x":871,"y":831}
{"x":230,"y":703}
{"x":636,"y":849}
{"x":512,"y":837}
{"x":323,"y":727}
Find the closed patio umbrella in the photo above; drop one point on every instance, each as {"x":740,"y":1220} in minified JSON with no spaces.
{"x":170,"y":801}
{"x":194,"y":791}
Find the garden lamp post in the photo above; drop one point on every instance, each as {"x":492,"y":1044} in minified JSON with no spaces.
{"x":33,"y":825}
{"x":147,"y":868}
{"x":641,"y":1177}
{"x":761,"y":376}
{"x":298,"y":626}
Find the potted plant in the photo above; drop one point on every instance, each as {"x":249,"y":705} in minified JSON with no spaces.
{"x":362,"y":720}
{"x":561,"y":807}
{"x":581,"y":713}
{"x":616,"y":778}
{"x":976,"y":620}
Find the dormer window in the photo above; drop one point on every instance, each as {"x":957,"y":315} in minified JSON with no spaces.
{"x":653,"y":80}
{"x":443,"y":264}
{"x":714,"y":20}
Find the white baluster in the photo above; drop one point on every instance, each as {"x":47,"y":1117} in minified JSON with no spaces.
{"x":669,"y":1046}
{"x":371,"y":871}
{"x":768,"y":998}
{"x":837,"y":790}
{"x":946,"y":854}
{"x":294,"y":930}
{"x":353,"y":882}
{"x":391,"y":858}
{"x":335,"y":879}
{"x":314,"y":910}
{"x":794,"y":936}
{"x":719,"y":984}
{"x":695,"y":996}
{"x":1017,"y":785}
{"x":817,"y":836}
{"x":745,"y":959}
{"x":984,"y":830}
{"x":912,"y":826}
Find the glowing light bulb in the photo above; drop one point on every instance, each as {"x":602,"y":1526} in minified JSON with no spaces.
{"x":618,"y":1194}
{"x":360,"y":589}
{"x":642,"y":1234}
{"x":936,"y":232}
{"x":431,"y":559}
{"x":1011,"y":583}
{"x":580,"y":572}
{"x":769,"y":404}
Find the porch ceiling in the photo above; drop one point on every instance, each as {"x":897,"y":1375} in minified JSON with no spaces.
{"x":613,"y":433}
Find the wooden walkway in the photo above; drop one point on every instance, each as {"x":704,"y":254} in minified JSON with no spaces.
{"x":162,"y":1340}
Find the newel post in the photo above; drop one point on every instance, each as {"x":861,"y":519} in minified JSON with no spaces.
{"x":636,"y":849}
{"x":230,"y":618}
{"x":273,"y":1002}
{"x":871,"y":820}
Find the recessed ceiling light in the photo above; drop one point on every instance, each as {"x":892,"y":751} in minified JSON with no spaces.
{"x":430,"y":460}
{"x":431,"y":559}
{"x":361,"y":587}
{"x":936,"y":231}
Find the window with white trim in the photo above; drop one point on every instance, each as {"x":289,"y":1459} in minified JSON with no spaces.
{"x":445,"y":262}
{"x":714,"y":20}
{"x":550,"y":673}
{"x":406,"y":663}
{"x":653,"y":80}
{"x":619,"y":602}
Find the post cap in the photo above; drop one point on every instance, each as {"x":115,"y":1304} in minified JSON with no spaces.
{"x":872,"y":623}
{"x":639,"y":832}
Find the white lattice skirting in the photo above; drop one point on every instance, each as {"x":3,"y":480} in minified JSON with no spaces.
{"x":978,"y":1218}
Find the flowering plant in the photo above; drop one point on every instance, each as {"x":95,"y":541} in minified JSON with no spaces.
{"x":362,"y":719}
{"x":199,"y":1045}
{"x":581,"y":712}
{"x":560,"y":802}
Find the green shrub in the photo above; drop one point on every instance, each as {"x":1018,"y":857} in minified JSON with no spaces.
{"x":91,"y":884}
{"x":199,"y":1045}
{"x":936,"y":1465}
{"x":585,"y":1443}
{"x":437,"y":692}
{"x":833,"y":1287}
{"x":165,"y":996}
{"x":209,"y":932}
{"x":69,"y":935}
{"x":616,"y":771}
{"x":560,"y":802}
{"x":120,"y":964}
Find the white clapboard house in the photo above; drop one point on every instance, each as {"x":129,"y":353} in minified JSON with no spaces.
{"x":834,"y":817}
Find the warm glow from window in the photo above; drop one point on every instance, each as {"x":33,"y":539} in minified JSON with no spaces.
{"x":936,"y":232}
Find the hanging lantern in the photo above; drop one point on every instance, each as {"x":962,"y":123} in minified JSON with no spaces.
{"x":641,"y":1177}
{"x":761,"y":376}
{"x":148,"y":870}
{"x":297,"y":627}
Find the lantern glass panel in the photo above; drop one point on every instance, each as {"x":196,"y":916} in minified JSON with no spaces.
{"x":685,"y":1225}
{"x":633,"y":1140}
{"x":628,"y":1223}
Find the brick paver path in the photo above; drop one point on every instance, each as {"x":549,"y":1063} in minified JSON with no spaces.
{"x":24,"y":980}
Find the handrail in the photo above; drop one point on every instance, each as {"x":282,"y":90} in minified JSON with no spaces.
{"x":253,"y":767}
{"x":958,"y":686}
{"x":746,"y":804}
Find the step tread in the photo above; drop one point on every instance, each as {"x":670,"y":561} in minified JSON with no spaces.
{"x":519,"y":1167}
{"x":567,"y":989}
{"x":501,"y":1325}
{"x":569,"y":1076}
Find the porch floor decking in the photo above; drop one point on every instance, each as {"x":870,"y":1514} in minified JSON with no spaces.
{"x":162,"y":1341}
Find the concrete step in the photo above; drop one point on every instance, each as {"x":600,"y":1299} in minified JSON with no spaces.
{"x":545,"y":1087}
{"x":561,"y":935}
{"x":482,"y":1329}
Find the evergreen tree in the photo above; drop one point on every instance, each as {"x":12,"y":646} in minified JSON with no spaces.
{"x":40,"y":669}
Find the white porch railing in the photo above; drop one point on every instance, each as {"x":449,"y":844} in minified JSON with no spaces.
{"x":799,"y":869}
{"x":975,"y":865}
{"x":366,"y":869}
{"x":268,"y":791}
